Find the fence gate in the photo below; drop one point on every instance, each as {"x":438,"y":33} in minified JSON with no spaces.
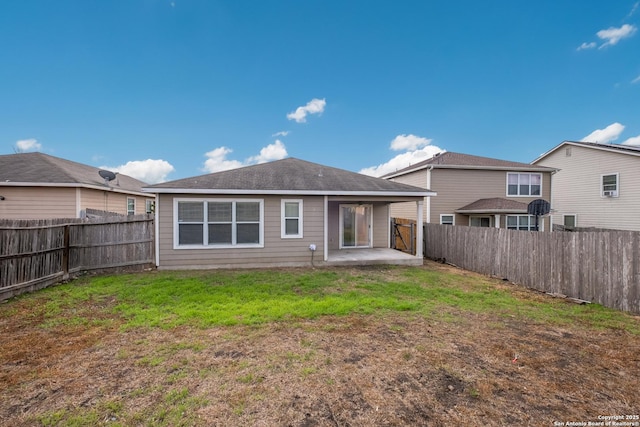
{"x":403,"y":235}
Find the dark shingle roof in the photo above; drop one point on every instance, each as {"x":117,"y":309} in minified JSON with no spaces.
{"x":287,"y":175}
{"x":450,"y":159}
{"x":39,"y":168}
{"x":494,"y":205}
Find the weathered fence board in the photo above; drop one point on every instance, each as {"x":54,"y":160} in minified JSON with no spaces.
{"x":36,"y":254}
{"x":602,"y":267}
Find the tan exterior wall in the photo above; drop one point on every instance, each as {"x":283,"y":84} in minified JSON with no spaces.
{"x":456,"y":188}
{"x":111,"y":201}
{"x":37,"y":203}
{"x":577,"y":188}
{"x":62,"y":202}
{"x":276,"y":250}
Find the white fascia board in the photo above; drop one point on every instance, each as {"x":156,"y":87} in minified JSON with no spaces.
{"x":601,"y":147}
{"x":491,"y":211}
{"x":71,"y":185}
{"x":290,"y":192}
{"x":532,"y":168}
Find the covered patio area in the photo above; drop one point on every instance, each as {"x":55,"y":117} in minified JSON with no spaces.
{"x":371,"y":256}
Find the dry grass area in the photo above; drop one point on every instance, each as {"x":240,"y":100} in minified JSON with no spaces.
{"x":449,"y":368}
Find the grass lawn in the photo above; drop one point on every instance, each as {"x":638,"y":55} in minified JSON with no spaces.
{"x":429,"y":345}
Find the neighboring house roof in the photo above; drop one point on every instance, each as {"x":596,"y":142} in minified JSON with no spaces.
{"x":494,"y":205}
{"x":38,"y":169}
{"x":613,"y":148}
{"x":452,"y":160}
{"x":288,"y":176}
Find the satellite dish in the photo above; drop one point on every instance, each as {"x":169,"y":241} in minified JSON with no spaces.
{"x":108,"y":176}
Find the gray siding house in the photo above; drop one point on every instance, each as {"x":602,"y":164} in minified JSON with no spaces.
{"x":284,"y":213}
{"x":40,"y":186}
{"x":597,"y":185}
{"x":476,"y":191}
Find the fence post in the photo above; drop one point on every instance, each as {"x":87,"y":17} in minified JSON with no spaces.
{"x":65,"y":253}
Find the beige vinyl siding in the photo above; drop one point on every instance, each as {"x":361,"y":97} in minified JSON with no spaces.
{"x":408,"y":209}
{"x":37,"y":202}
{"x":381,"y":225}
{"x":276,"y":250}
{"x":577,"y":188}
{"x":457,"y":188}
{"x":110,"y":201}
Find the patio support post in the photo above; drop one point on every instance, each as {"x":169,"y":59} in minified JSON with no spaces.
{"x":419,"y":229}
{"x":497,"y":224}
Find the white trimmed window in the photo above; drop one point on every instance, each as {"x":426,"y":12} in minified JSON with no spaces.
{"x":150,"y":206}
{"x":291,"y":218}
{"x":570,"y":221}
{"x":609,"y":185}
{"x":524,"y":184}
{"x":131,"y":206}
{"x":524,"y":222}
{"x":218,"y":223}
{"x":447,"y":219}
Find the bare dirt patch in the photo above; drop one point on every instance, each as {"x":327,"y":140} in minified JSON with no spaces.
{"x":453,"y":368}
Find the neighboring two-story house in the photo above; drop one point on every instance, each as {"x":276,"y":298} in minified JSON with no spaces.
{"x":597,"y":185}
{"x":476,"y":191}
{"x":40,"y":186}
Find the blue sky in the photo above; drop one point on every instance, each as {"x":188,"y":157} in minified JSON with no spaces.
{"x":166,"y":89}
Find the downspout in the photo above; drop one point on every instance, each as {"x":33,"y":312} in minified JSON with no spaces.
{"x":156,"y":224}
{"x":326,"y":228}
{"x":429,"y":169}
{"x":551,"y":199}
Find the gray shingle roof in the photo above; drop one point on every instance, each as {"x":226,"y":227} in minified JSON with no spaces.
{"x":494,"y":205}
{"x":450,"y":159}
{"x":287,"y":175}
{"x":40,"y":168}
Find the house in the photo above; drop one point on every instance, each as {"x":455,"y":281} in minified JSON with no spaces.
{"x":288,"y":212}
{"x":476,"y":191}
{"x":40,"y":186}
{"x":597,"y":185}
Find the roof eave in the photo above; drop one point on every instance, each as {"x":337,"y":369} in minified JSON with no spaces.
{"x":212,"y":191}
{"x":531,"y":168}
{"x":490,"y":211}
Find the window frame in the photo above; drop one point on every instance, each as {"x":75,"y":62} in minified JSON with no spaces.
{"x":575,"y":220}
{"x":205,"y":224}
{"x":531,"y":224}
{"x":149,"y":206}
{"x":284,"y":218}
{"x":131,"y":203}
{"x":479,"y":217}
{"x":518,"y":185}
{"x":453,"y":219}
{"x":602,"y":185}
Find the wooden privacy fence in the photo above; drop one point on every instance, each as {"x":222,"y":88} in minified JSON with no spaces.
{"x":602,"y":267}
{"x":38,"y":253}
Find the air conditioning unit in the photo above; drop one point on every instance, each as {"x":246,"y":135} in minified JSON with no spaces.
{"x":610,"y":193}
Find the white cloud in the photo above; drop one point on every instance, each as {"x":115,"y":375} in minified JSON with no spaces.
{"x":613,"y":35}
{"x":275,"y":151}
{"x":217,"y":158}
{"x":281,"y":133}
{"x":636,"y":80}
{"x":635,"y":141}
{"x":634,"y":9}
{"x":585,"y":46}
{"x":150,"y":171}
{"x":409,"y":142}
{"x":25,"y":145}
{"x":315,"y":106}
{"x":402,"y":161}
{"x":606,"y":135}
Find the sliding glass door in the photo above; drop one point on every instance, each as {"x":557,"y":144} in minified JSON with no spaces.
{"x":355,"y":226}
